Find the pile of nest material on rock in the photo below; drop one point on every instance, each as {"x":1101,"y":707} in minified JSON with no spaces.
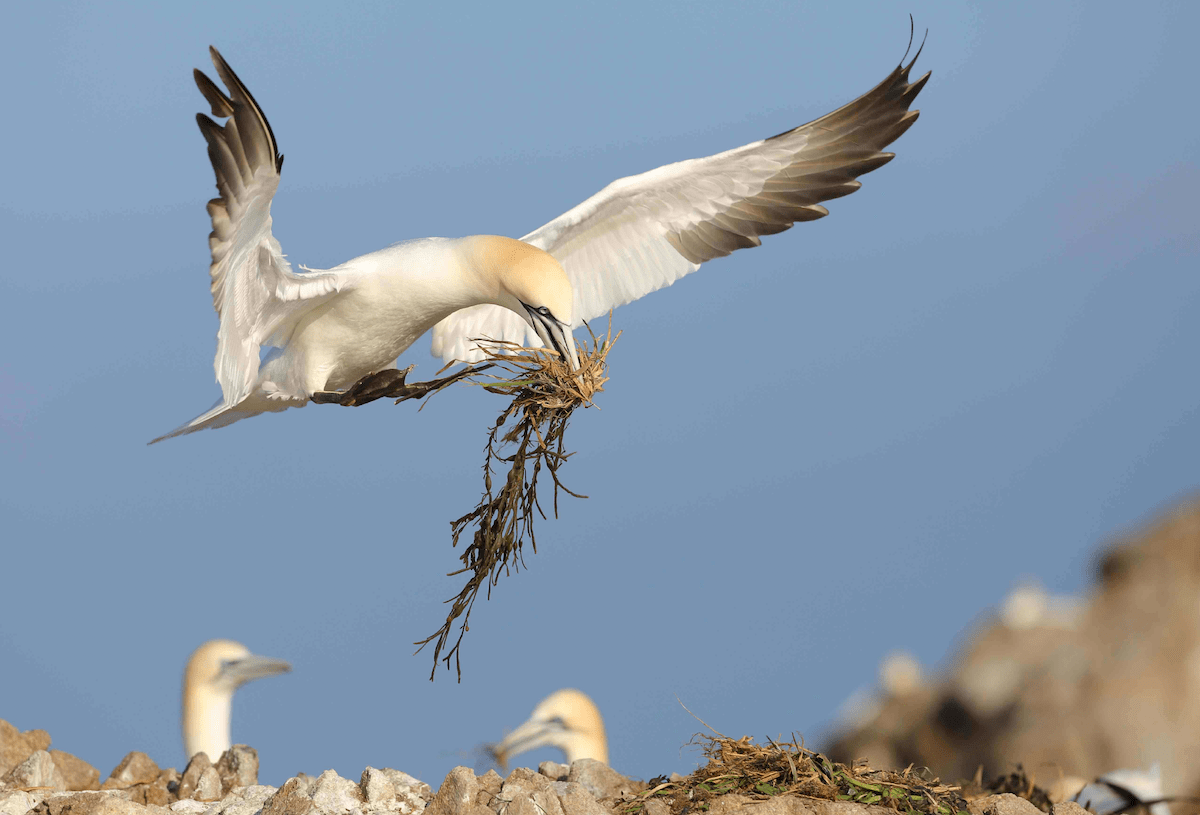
{"x":742,"y":774}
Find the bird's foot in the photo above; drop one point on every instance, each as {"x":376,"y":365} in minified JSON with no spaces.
{"x":390,"y":383}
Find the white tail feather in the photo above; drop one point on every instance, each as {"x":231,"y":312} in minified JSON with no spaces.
{"x":218,"y":416}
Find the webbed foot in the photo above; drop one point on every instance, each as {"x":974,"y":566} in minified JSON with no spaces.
{"x":390,"y":383}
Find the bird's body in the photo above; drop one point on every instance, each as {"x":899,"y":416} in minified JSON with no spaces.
{"x":328,"y":329}
{"x":214,"y":672}
{"x":389,"y":299}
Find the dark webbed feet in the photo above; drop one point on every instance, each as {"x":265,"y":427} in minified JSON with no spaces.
{"x":390,"y":383}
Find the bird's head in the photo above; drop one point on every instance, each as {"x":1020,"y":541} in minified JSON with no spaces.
{"x":225,"y":665}
{"x":534,"y":285}
{"x":566,"y":719}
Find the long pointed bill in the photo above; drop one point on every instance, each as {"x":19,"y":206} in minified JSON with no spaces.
{"x":254,"y":667}
{"x":529,"y":735}
{"x":557,"y":336}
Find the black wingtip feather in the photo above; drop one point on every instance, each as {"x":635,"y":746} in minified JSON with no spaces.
{"x":231,"y":79}
{"x":218,"y":101}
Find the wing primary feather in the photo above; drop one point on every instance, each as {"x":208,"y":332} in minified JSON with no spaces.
{"x":236,"y":88}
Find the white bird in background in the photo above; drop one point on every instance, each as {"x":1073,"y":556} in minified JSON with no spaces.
{"x":328,"y":329}
{"x":567,"y":719}
{"x":1125,"y":791}
{"x":214,"y":671}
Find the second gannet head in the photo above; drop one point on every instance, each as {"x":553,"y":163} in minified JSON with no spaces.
{"x":566,"y":719}
{"x":533,"y":284}
{"x":215,"y":670}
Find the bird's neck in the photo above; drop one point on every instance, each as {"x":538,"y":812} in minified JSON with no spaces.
{"x":206,"y":714}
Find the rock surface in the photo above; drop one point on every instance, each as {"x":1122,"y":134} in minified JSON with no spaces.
{"x":16,"y":746}
{"x":37,"y":771}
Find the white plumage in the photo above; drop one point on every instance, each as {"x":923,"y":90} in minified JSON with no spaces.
{"x":328,"y":329}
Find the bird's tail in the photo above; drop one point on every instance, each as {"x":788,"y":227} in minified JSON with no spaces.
{"x":219,"y":415}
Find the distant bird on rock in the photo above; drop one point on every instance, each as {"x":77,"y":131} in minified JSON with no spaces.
{"x":1121,"y":791}
{"x":328,"y":330}
{"x":567,"y":719}
{"x":215,"y":670}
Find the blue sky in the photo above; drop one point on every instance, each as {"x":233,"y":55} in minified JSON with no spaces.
{"x":856,"y":438}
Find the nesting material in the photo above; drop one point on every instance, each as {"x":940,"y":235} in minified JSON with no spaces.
{"x":526,"y":441}
{"x":740,"y":766}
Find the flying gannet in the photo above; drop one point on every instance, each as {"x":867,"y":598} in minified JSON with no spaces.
{"x":214,"y":671}
{"x":326,"y":329}
{"x":567,"y":719}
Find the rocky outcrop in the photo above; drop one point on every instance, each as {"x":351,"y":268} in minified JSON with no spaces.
{"x":16,"y":748}
{"x":1067,"y":689}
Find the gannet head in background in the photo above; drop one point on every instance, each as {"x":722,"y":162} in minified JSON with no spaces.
{"x":215,"y":670}
{"x":566,"y":719}
{"x":533,"y":285}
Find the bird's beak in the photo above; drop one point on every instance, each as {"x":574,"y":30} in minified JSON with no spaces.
{"x":531,"y":734}
{"x":245,"y":669}
{"x":557,"y":336}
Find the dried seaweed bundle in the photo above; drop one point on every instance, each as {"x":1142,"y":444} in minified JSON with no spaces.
{"x":739,"y":766}
{"x":527,"y":439}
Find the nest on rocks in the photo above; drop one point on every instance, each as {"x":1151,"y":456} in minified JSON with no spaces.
{"x":527,"y":440}
{"x":739,"y":766}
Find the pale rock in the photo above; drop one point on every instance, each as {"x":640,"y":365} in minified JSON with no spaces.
{"x":1068,"y":808}
{"x":1007,"y":804}
{"x":78,"y":774}
{"x":293,"y":798}
{"x":553,"y":770}
{"x":16,"y":746}
{"x":527,"y":778}
{"x":457,"y":795}
{"x":208,"y":787}
{"x":599,"y":779}
{"x":16,"y":802}
{"x":38,"y":770}
{"x":412,"y":796}
{"x":657,"y":806}
{"x":528,"y":793}
{"x":489,"y":787}
{"x":334,"y":795}
{"x":94,"y":803}
{"x":791,"y":805}
{"x":576,"y":800}
{"x":191,"y":775}
{"x":135,"y":768}
{"x":238,"y":767}
{"x":187,"y":806}
{"x":248,"y":800}
{"x":376,"y":786}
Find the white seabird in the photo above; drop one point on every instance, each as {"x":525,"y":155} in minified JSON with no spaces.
{"x":1126,"y":790}
{"x":567,"y":719}
{"x":214,"y":671}
{"x":328,"y":329}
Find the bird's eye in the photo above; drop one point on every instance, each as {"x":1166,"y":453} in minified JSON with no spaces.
{"x":545,"y":312}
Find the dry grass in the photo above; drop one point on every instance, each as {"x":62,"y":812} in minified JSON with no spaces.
{"x":527,"y":440}
{"x":739,"y":766}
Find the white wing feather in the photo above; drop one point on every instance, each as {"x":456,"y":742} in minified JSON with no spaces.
{"x":255,"y":292}
{"x":644,"y":232}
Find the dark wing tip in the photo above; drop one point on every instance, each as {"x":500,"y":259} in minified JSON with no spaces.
{"x":218,"y":101}
{"x":231,"y":79}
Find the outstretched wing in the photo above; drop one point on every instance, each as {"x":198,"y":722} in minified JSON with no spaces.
{"x":646,"y":231}
{"x":255,"y":291}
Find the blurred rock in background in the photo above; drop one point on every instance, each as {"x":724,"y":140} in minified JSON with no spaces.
{"x":1070,"y":688}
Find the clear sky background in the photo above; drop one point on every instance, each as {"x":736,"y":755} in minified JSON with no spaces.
{"x":858,"y":437}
